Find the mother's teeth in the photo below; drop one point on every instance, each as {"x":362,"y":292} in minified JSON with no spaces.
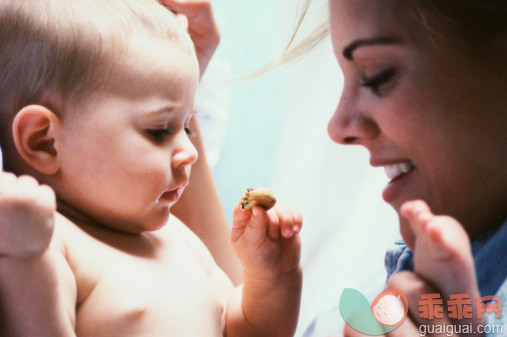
{"x":395,"y":170}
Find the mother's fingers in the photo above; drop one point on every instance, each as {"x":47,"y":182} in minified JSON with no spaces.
{"x":191,"y":8}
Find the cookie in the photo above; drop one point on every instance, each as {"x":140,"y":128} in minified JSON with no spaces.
{"x":259,"y":196}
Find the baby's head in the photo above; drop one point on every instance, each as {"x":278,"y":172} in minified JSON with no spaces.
{"x":95,"y":100}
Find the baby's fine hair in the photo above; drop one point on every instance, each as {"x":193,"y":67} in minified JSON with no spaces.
{"x":53,"y":52}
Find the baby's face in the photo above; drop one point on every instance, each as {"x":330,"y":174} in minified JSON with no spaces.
{"x":125,"y":153}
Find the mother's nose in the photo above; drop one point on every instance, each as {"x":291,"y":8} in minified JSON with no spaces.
{"x":350,"y":125}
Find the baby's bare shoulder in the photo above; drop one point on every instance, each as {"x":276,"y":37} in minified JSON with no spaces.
{"x":201,"y":253}
{"x":191,"y":241}
{"x":197,"y":247}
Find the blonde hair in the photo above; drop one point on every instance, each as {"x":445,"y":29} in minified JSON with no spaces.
{"x":292,"y":51}
{"x":56,"y":51}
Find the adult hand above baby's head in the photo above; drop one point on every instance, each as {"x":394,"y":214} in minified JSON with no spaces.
{"x":201,"y":26}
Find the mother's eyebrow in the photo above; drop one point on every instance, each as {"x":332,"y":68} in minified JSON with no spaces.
{"x":349,"y":50}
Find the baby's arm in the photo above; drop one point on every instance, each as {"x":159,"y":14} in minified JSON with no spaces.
{"x":268,"y":302}
{"x":268,"y":244}
{"x":31,"y":300}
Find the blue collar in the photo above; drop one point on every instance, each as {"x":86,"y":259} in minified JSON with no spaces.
{"x":490,"y":255}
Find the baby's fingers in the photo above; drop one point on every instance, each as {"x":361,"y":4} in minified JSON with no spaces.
{"x":259,"y":219}
{"x":273,"y":225}
{"x":27,"y":188}
{"x":240,"y":218}
{"x":252,"y":226}
{"x":46,"y":196}
{"x":7,"y":181}
{"x":297,"y":217}
{"x":290,"y":219}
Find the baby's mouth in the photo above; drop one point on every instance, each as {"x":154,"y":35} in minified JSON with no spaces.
{"x":170,"y":196}
{"x":395,"y":171}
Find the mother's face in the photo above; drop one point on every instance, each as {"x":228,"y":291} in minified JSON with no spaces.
{"x":428,"y":113}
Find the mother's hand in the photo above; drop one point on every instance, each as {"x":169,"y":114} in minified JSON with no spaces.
{"x":202,"y":27}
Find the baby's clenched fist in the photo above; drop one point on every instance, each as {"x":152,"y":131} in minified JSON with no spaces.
{"x":27,"y":214}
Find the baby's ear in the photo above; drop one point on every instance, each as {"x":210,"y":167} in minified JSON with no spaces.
{"x":33,"y":131}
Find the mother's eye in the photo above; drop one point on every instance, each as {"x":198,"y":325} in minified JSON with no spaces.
{"x":374,"y":82}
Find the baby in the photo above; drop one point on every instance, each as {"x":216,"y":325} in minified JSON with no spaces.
{"x":95,"y":102}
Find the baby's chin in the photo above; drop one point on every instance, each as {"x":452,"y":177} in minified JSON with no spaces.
{"x":146,"y":225}
{"x":158,"y":223}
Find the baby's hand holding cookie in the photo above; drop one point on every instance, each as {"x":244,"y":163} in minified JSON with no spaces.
{"x":280,"y":221}
{"x":266,"y":239}
{"x":27,"y":213}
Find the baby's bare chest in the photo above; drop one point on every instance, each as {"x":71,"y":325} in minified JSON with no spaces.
{"x":164,"y":292}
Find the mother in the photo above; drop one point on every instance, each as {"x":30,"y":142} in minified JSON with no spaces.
{"x":425,"y":86}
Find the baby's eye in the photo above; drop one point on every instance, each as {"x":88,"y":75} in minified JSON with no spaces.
{"x":376,"y":81}
{"x":189,"y":132}
{"x":158,"y":135}
{"x":187,"y":128}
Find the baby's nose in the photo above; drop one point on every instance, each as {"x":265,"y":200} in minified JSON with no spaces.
{"x":186,"y":153}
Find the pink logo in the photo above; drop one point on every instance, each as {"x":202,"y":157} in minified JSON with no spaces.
{"x":390,"y":307}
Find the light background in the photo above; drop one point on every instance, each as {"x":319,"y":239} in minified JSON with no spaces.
{"x":271,"y":131}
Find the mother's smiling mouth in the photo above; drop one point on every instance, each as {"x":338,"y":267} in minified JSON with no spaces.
{"x":394,"y":171}
{"x":399,"y":174}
